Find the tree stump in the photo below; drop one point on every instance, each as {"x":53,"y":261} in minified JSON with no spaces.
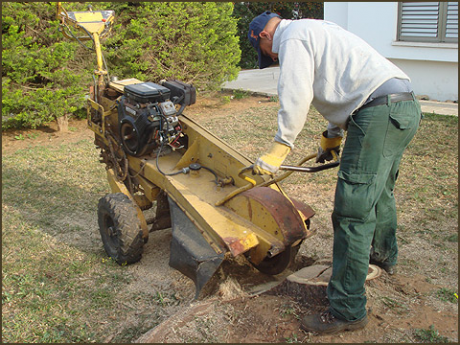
{"x":63,"y":123}
{"x":308,"y":285}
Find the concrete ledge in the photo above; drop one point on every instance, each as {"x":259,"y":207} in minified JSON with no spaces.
{"x":441,"y":108}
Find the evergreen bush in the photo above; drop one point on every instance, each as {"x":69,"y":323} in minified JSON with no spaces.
{"x":38,"y":81}
{"x":195,"y":42}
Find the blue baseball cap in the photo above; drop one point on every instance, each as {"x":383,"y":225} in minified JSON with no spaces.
{"x":255,"y":28}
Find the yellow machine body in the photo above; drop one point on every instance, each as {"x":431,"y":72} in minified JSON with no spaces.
{"x":215,"y":209}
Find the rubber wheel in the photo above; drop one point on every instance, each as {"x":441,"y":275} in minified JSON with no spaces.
{"x":278,"y":263}
{"x":120,"y":228}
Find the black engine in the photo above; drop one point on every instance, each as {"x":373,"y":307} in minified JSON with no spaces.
{"x":148,"y":118}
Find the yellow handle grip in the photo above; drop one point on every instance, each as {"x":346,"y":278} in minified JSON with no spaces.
{"x":247,"y":178}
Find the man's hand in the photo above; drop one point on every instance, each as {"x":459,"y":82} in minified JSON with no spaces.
{"x":327,"y":145}
{"x":270,"y":163}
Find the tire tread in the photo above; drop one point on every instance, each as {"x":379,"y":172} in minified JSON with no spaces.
{"x":124,"y":215}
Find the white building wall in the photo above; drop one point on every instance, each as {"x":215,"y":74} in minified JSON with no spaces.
{"x":337,"y":12}
{"x":433,"y":68}
{"x":437,"y":80}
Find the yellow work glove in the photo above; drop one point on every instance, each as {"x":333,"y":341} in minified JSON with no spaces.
{"x":326,"y":146}
{"x":269,"y":163}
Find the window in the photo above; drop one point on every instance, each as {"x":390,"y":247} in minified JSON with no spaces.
{"x":428,"y":21}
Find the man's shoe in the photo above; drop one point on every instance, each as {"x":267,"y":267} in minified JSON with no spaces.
{"x":390,"y":269}
{"x":326,"y":323}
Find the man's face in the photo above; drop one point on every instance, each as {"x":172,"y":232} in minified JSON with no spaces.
{"x":266,"y":48}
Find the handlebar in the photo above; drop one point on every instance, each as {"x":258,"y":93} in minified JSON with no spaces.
{"x":289,"y":170}
{"x":310,"y":169}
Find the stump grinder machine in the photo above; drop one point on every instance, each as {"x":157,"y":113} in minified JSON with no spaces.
{"x":160,"y":160}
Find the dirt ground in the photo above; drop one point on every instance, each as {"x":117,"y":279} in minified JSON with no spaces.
{"x":398,"y":305}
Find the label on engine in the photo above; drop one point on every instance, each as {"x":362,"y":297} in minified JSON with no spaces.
{"x":131,"y":111}
{"x":168,"y":108}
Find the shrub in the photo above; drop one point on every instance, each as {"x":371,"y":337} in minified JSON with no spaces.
{"x":38,"y":81}
{"x":195,"y":42}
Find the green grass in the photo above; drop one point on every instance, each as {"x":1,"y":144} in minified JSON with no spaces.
{"x":50,"y":287}
{"x":55,"y":290}
{"x":396,"y":306}
{"x":288,"y":309}
{"x":447,"y":295}
{"x":293,"y":339}
{"x":240,"y":94}
{"x":430,"y":335}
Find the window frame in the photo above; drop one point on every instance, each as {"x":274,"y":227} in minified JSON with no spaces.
{"x":442,"y":25}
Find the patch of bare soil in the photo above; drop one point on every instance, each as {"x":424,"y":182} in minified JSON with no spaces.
{"x":398,"y":305}
{"x":13,"y":140}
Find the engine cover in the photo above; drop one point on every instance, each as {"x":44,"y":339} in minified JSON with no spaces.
{"x":147,"y":93}
{"x":148,"y":118}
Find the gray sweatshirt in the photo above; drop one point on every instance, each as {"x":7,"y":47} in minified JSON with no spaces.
{"x":327,"y":66}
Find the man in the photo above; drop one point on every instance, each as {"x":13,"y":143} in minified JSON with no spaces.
{"x":357,"y":90}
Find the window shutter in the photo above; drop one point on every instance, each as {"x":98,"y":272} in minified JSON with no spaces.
{"x":419,"y":21}
{"x":452,"y":21}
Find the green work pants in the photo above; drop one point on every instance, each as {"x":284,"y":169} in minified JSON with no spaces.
{"x":364,"y":209}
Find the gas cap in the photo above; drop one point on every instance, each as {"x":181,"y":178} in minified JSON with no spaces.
{"x":195,"y":166}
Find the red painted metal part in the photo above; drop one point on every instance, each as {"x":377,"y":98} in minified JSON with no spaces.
{"x":287,"y":217}
{"x":235,"y":246}
{"x":306,"y":210}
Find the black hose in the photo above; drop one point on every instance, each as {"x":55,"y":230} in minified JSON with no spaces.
{"x":77,"y":39}
{"x":158,"y":165}
{"x":82,"y":44}
{"x":161,"y":148}
{"x":183,"y":171}
{"x":213,"y":172}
